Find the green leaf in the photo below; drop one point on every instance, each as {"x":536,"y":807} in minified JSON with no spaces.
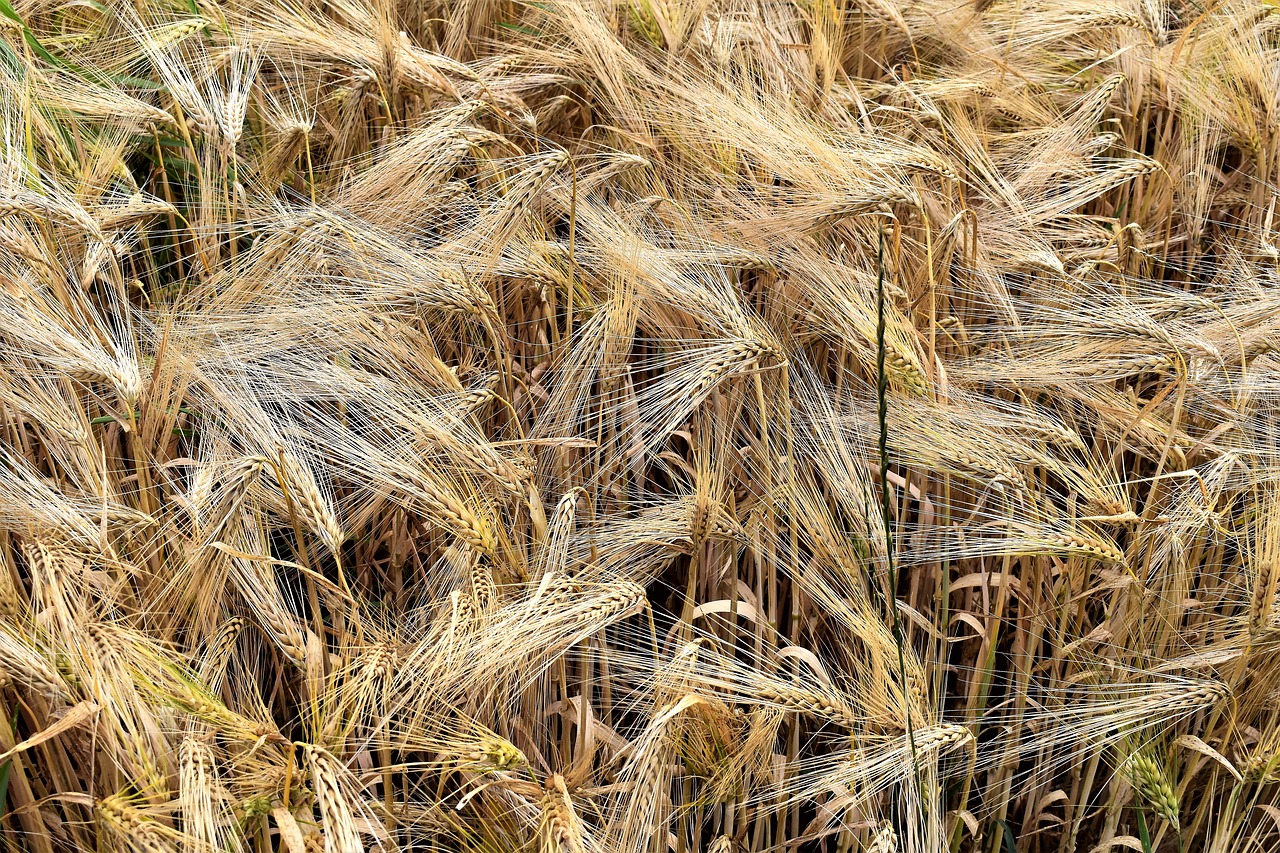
{"x":181,"y":165}
{"x":30,"y":37}
{"x":1010,"y":843}
{"x":8,"y":12}
{"x":1143,"y":835}
{"x":96,"y":77}
{"x":4,"y":786}
{"x":107,"y":419}
{"x":11,"y":60}
{"x":519,"y":28}
{"x":4,"y":771}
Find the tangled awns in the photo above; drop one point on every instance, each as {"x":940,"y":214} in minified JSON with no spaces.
{"x":639,"y":426}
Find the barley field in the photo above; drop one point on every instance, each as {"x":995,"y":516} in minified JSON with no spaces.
{"x":639,"y":426}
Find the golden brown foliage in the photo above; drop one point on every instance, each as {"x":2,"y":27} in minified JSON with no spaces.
{"x":639,"y":425}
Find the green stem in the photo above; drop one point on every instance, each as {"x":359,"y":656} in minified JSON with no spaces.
{"x":882,"y":417}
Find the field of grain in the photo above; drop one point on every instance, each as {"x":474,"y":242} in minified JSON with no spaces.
{"x":639,"y":426}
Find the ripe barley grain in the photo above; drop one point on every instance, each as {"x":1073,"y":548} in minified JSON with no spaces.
{"x":336,"y":817}
{"x":548,"y":386}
